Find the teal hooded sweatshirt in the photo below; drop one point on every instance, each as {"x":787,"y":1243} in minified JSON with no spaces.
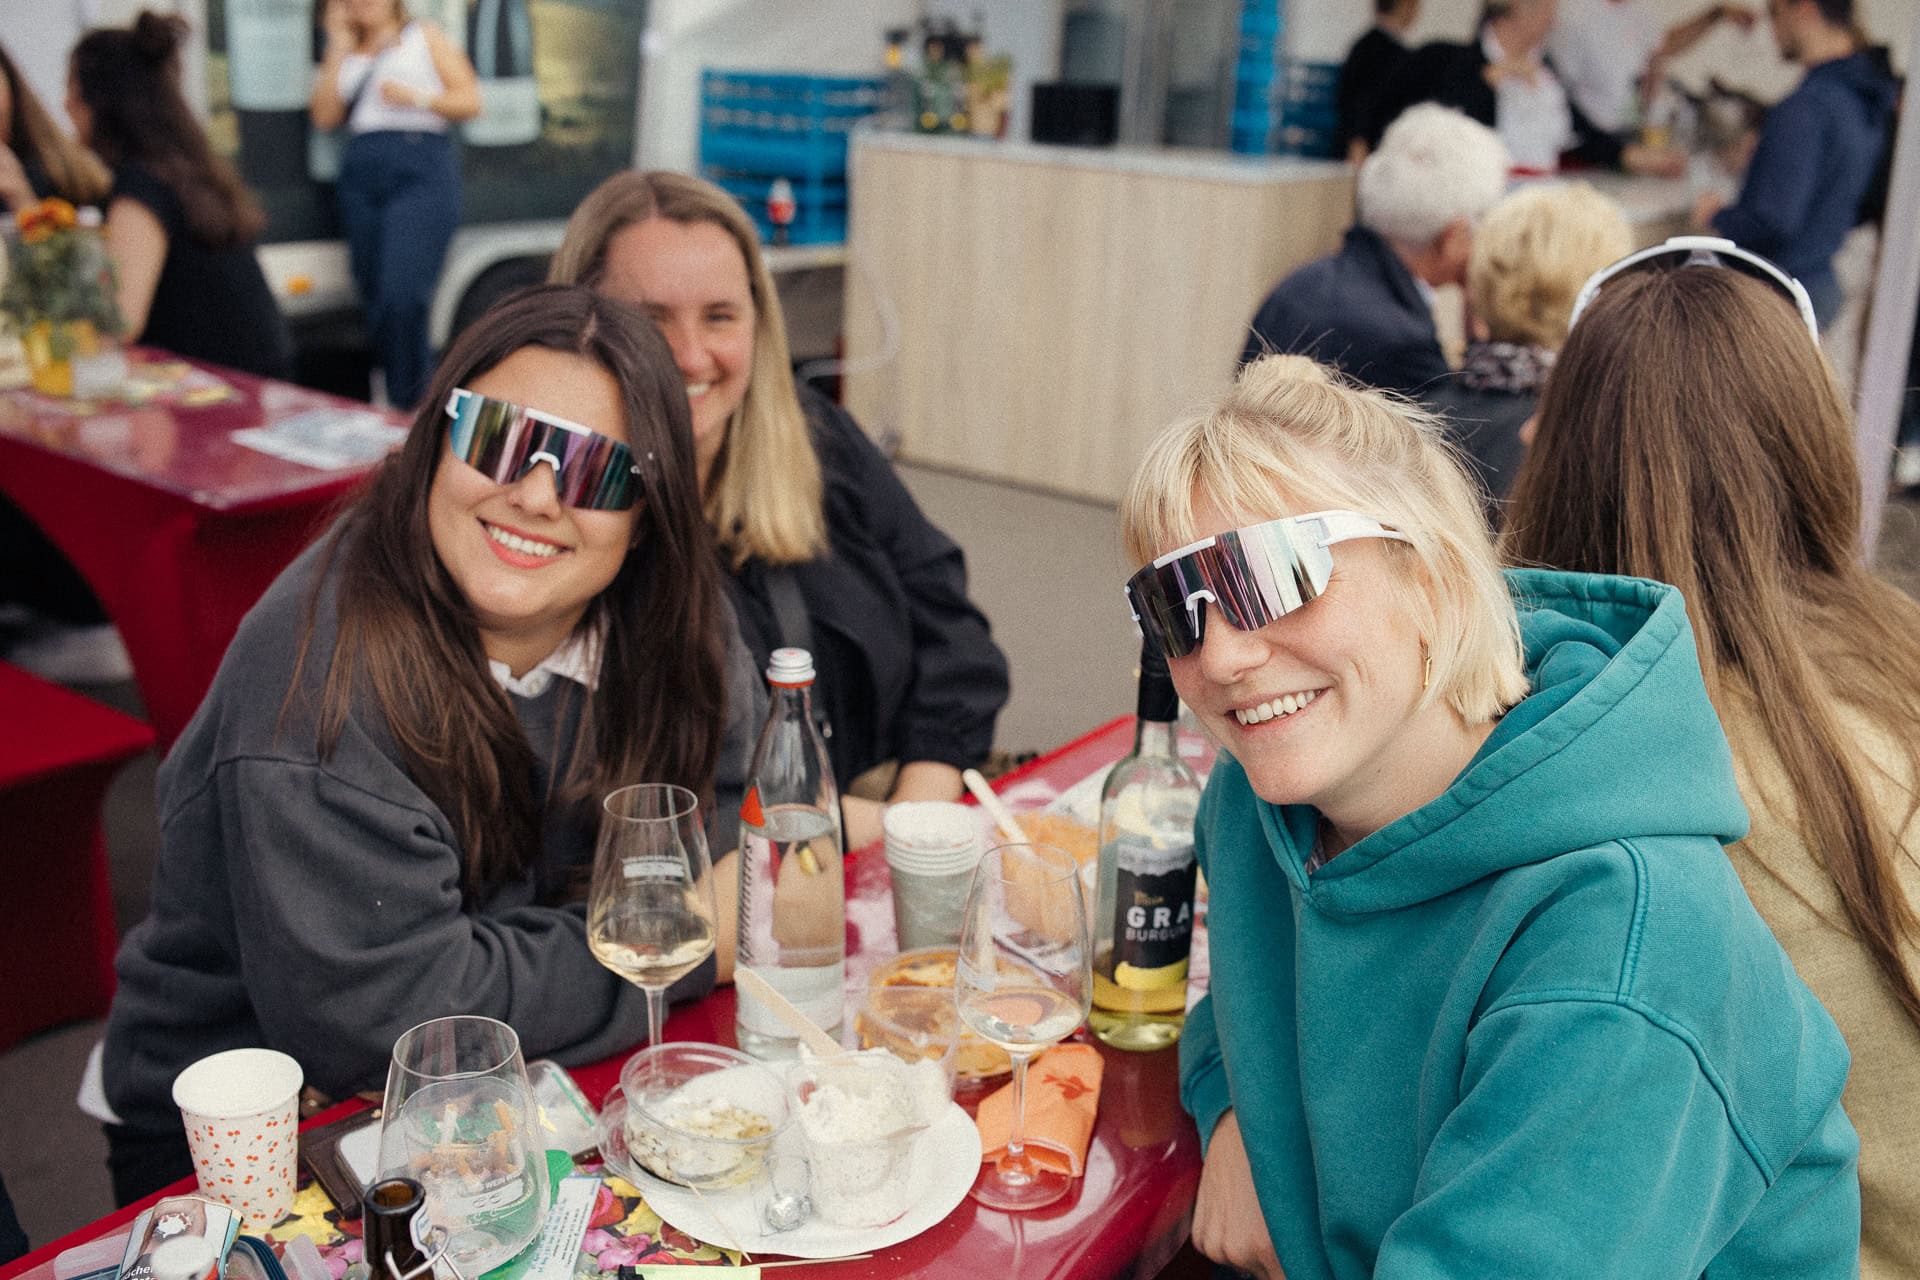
{"x":1533,"y":1028}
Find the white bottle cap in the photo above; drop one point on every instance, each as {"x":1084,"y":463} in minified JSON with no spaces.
{"x":790,"y":667}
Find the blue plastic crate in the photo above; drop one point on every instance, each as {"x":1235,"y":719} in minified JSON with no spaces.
{"x":781,"y":124}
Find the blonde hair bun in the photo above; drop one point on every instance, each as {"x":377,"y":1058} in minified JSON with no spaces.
{"x":1271,"y":371}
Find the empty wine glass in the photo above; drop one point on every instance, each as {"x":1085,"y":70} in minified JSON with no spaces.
{"x":651,"y":913}
{"x":459,"y":1119}
{"x":1024,"y":982}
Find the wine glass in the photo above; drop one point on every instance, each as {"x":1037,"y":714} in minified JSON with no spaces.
{"x":459,"y":1119}
{"x":651,"y":913}
{"x":1023,"y":981}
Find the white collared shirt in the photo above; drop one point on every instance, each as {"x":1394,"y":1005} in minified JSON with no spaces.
{"x":577,"y":659}
{"x":1532,"y":119}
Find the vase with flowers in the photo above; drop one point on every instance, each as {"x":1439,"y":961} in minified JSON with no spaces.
{"x":60,"y":296}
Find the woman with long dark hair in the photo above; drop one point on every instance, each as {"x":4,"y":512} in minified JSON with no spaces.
{"x":180,"y":224}
{"x":1692,"y":433}
{"x":385,"y":809}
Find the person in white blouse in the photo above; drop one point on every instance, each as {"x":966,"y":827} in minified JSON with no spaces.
{"x":397,"y":85}
{"x":1611,"y":53}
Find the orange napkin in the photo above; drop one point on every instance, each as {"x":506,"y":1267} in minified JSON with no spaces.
{"x":1063,"y":1093}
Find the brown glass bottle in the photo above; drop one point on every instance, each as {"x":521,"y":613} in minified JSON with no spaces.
{"x":386,"y":1227}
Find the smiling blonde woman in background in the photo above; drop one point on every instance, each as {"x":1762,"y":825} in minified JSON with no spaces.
{"x":825,"y":547}
{"x":1488,"y":998}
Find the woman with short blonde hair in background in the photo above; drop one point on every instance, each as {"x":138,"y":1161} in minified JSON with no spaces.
{"x":1531,"y":254}
{"x":1692,"y":432}
{"x":824,"y":546}
{"x":1487,"y":998}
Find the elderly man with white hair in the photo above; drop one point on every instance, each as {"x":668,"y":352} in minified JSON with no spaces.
{"x":1367,"y":308}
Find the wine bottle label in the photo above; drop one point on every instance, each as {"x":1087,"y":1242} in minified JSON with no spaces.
{"x":1153,"y":913}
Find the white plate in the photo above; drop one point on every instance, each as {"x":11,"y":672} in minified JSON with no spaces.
{"x":944,"y":1166}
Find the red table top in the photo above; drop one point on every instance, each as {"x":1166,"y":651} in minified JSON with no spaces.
{"x":182,"y":447}
{"x":1126,"y":1217}
{"x":62,"y":729}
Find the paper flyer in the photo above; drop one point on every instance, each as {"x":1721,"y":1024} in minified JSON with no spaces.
{"x":327,"y":439}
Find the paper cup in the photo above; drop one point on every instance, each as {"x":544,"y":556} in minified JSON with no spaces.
{"x":240,"y":1109}
{"x":931,"y":849}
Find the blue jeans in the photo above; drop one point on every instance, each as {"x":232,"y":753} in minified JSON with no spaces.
{"x":400,"y":202}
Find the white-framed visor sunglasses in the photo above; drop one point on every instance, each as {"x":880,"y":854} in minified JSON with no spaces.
{"x":1701,"y":251}
{"x":1251,"y":576}
{"x":504,"y":441}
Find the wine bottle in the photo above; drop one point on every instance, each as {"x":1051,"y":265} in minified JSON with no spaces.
{"x":1143,"y":922}
{"x":793,"y":905}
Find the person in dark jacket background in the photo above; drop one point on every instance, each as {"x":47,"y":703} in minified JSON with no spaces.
{"x":1366,"y":309}
{"x":1367,"y":78}
{"x":1820,"y":147}
{"x":826,"y":548}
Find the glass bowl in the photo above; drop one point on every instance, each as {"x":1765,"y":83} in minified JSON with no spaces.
{"x":701,"y":1115}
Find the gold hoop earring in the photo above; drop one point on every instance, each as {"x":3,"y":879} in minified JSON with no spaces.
{"x":1426,"y":672}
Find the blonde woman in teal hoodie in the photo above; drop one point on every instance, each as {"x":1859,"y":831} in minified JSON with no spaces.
{"x":1488,"y":999}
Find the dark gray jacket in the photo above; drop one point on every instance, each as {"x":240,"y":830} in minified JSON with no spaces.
{"x":315,"y":907}
{"x":1358,"y":310}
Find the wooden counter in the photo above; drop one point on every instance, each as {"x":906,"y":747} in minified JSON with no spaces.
{"x":1034,"y":314}
{"x":1057,"y":306}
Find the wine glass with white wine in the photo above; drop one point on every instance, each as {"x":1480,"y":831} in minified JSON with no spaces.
{"x":651,"y":914}
{"x":1024,"y":981}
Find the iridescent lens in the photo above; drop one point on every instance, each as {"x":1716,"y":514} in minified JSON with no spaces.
{"x":504,"y":441}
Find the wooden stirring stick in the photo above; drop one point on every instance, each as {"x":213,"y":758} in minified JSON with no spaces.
{"x":814,"y":1262}
{"x":822,"y":1044}
{"x":991,"y":803}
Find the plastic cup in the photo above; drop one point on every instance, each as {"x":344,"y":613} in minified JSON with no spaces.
{"x":241,"y":1111}
{"x":862,"y":1117}
{"x":931,"y":848}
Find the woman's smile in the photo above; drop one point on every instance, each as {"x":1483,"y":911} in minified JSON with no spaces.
{"x":520,"y":549}
{"x":1284,"y":707}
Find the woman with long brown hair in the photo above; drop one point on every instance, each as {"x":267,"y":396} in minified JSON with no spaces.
{"x":180,"y":224}
{"x":1692,"y":433}
{"x":385,"y":808}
